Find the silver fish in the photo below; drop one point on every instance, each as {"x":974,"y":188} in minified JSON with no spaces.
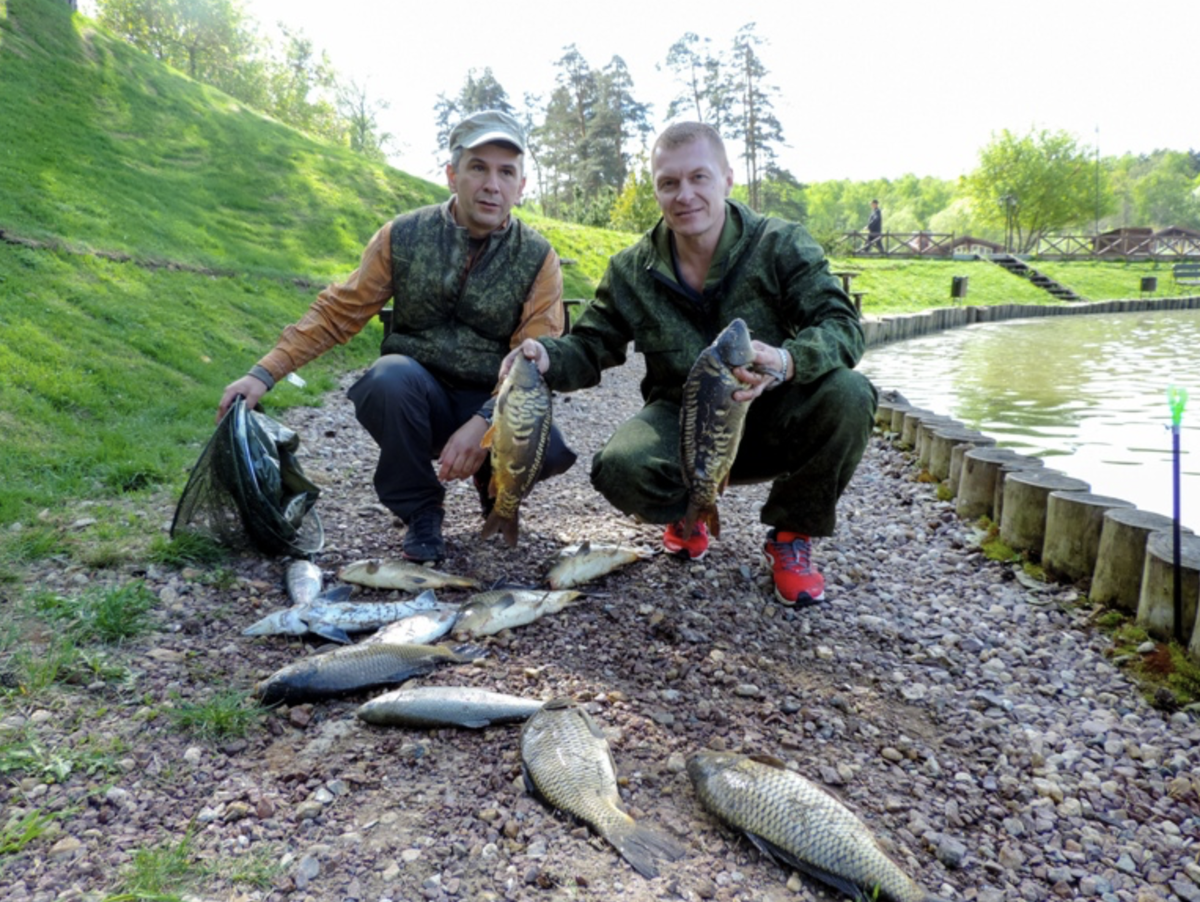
{"x":446,"y":706}
{"x":566,"y":760}
{"x":487,"y":613}
{"x":581,"y":563}
{"x":356,"y":667}
{"x":419,"y":628}
{"x":304,"y":582}
{"x":711,"y":423}
{"x":403,"y":576}
{"x":797,"y":822}
{"x":335,"y":620}
{"x":517,"y":439}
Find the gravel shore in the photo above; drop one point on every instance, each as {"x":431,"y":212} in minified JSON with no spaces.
{"x":974,"y":722}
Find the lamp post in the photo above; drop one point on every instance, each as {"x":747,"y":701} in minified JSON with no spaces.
{"x":1097,"y":181}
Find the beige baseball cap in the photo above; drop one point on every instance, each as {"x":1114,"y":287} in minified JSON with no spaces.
{"x":486,"y":127}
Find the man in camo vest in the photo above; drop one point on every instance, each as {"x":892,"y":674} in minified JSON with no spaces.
{"x":469,"y":282}
{"x":708,"y":261}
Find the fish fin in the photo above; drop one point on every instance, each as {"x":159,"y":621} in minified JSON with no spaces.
{"x":641,"y":846}
{"x":689,"y":520}
{"x":486,"y":441}
{"x":468,"y":652}
{"x":336,"y":594}
{"x":327,"y":631}
{"x":769,"y":760}
{"x":713,"y":519}
{"x":774,"y":852}
{"x":491,"y":526}
{"x":510,"y":529}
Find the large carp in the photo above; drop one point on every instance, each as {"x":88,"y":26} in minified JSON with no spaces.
{"x":518,"y":438}
{"x":578,"y":564}
{"x":711,"y":423}
{"x":404,"y":576}
{"x":487,"y":613}
{"x":800,"y":824}
{"x":356,"y":667}
{"x":567,"y":762}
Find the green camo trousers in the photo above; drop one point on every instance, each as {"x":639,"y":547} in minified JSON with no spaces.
{"x":805,"y":439}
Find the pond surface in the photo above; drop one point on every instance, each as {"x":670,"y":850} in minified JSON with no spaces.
{"x":1088,"y":393}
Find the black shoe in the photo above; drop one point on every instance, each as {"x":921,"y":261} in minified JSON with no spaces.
{"x":423,"y":541}
{"x":486,"y":501}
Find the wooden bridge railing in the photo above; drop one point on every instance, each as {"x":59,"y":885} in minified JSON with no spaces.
{"x":1053,"y":247}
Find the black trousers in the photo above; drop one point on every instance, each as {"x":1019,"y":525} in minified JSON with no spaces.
{"x":411,"y":415}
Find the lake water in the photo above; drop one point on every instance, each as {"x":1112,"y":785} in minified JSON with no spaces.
{"x":1088,"y":393}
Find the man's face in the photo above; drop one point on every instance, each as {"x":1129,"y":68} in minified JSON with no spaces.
{"x":486,"y":184}
{"x":691,"y":185}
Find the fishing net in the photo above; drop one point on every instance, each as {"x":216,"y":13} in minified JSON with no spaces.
{"x":248,"y":489}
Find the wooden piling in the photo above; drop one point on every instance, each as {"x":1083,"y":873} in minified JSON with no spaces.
{"x":1121,"y":556}
{"x":1073,"y":524}
{"x":978,"y":479}
{"x":943,"y":441}
{"x":1026,"y":493}
{"x":1156,"y":602}
{"x":956,"y":460}
{"x":1024,"y":462}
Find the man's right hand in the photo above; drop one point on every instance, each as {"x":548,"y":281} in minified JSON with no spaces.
{"x":530,"y":348}
{"x":249,"y":387}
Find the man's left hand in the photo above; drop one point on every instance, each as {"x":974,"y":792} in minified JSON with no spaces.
{"x":763,"y":373}
{"x":462,"y":456}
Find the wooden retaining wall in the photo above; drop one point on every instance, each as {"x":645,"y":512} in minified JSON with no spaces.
{"x":880,"y":330}
{"x":1142,"y":572}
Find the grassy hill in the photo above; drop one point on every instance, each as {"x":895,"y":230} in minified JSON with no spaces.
{"x":157,"y":235}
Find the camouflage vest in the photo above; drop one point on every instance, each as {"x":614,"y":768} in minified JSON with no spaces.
{"x":457,"y":322}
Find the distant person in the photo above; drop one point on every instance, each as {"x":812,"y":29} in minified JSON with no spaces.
{"x":874,"y":229}
{"x":710,"y":260}
{"x":470,"y":282}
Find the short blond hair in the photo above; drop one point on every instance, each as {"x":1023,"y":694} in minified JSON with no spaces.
{"x":681,"y":133}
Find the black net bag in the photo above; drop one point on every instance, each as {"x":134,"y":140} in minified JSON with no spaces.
{"x":248,"y":489}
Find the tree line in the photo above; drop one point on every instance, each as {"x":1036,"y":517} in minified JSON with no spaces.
{"x":589,"y":133}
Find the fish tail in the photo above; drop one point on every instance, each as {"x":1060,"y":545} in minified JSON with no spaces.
{"x":642,"y":846}
{"x":705,"y":515}
{"x":492,"y":525}
{"x":510,"y":531}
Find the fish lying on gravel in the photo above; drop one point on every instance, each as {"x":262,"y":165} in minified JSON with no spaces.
{"x":487,"y":613}
{"x":582,"y":563}
{"x":799,"y":823}
{"x":567,"y":762}
{"x":446,"y":706}
{"x":345,"y":670}
{"x":417,"y":629}
{"x":403,"y":576}
{"x":304,"y":581}
{"x":334,"y":621}
{"x":711,"y":423}
{"x":518,"y":438}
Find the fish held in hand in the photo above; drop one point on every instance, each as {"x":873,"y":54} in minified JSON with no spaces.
{"x":517,"y":439}
{"x":797,"y":822}
{"x":582,"y":563}
{"x":446,"y":706}
{"x":336,"y":620}
{"x":346,"y":670}
{"x":568,"y":763}
{"x":487,"y":613}
{"x":403,"y":576}
{"x":711,"y":423}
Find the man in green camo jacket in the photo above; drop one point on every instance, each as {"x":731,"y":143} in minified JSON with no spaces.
{"x":709,"y":260}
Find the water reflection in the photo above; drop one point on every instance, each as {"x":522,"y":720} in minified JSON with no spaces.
{"x":1089,"y":391}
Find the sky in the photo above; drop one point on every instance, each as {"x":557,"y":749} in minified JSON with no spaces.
{"x":867,"y":89}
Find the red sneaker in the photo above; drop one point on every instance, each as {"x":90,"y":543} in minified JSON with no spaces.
{"x":695,"y":546}
{"x":797,"y":582}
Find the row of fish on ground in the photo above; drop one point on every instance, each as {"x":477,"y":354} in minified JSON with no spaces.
{"x":565,"y":757}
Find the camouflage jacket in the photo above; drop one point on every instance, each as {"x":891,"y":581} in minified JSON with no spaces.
{"x":766,"y":270}
{"x":462,"y":299}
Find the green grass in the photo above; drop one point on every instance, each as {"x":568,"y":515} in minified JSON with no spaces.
{"x":107,"y":615}
{"x":226,"y":715}
{"x":22,"y":830}
{"x":1102,"y":280}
